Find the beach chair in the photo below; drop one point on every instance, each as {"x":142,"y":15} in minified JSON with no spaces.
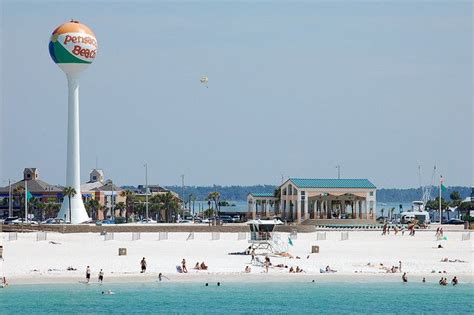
{"x":258,"y":262}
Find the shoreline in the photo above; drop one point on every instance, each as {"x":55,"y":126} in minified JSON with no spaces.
{"x":240,"y":278}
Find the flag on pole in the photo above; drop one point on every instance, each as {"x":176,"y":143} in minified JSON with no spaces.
{"x":443,"y":188}
{"x":28,"y":196}
{"x":289,"y":241}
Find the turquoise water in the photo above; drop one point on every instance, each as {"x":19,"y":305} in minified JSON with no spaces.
{"x":240,"y":298}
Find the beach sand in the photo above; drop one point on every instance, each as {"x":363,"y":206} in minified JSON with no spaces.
{"x":28,"y":261}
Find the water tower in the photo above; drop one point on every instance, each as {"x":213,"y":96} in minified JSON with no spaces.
{"x":73,"y":47}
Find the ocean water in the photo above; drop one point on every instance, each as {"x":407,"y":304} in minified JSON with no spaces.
{"x":240,"y":298}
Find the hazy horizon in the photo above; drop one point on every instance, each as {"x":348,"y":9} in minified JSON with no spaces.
{"x":295,"y":89}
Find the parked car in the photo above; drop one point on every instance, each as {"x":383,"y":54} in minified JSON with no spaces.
{"x":210,"y":220}
{"x":226,"y":219}
{"x":185,"y":221}
{"x":53,"y":221}
{"x":10,"y":220}
{"x":454,"y":221}
{"x":147,"y":221}
{"x":23,"y":221}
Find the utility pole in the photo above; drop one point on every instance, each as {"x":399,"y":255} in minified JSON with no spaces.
{"x":112,"y":212}
{"x":26,"y":200}
{"x":338,"y":171}
{"x":182,"y":192}
{"x":10,"y":208}
{"x":146,"y":191}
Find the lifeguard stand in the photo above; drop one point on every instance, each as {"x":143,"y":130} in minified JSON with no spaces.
{"x":263,"y":237}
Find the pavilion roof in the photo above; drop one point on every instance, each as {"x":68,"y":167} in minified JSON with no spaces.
{"x":332,"y":183}
{"x":262,"y":194}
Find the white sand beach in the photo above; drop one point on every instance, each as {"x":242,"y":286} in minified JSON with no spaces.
{"x":27,"y":260}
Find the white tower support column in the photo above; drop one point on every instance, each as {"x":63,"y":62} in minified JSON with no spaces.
{"x":73,"y":173}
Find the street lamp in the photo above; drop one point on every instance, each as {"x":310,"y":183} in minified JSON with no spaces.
{"x":112,"y":212}
{"x":146,"y":191}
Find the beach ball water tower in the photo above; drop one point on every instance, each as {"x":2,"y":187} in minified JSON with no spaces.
{"x":73,"y":47}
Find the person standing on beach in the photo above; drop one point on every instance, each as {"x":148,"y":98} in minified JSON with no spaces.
{"x":101,"y":276}
{"x":88,"y":274}
{"x":143,"y":265}
{"x":400,"y":265}
{"x":183,"y":266}
{"x":253,"y":255}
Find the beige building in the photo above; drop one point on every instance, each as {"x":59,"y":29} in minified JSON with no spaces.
{"x":323,"y":200}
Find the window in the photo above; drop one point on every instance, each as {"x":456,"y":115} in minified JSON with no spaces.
{"x":371,"y":193}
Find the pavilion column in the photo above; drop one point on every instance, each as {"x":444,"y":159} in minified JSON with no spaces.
{"x":253,"y":208}
{"x":330,"y":209}
{"x":365,"y":209}
{"x":298,"y":207}
{"x":306,"y":204}
{"x":359,"y":214}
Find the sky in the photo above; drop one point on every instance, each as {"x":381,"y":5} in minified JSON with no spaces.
{"x":295,"y":89}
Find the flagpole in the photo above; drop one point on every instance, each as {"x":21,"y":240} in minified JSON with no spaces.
{"x":440,"y":213}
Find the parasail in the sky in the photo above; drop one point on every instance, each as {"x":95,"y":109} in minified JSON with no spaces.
{"x":204,"y":80}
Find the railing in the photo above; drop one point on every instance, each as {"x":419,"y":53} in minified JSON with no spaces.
{"x":261,"y":236}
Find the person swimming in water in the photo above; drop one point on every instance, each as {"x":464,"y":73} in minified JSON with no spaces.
{"x":404,"y":277}
{"x":108,"y":292}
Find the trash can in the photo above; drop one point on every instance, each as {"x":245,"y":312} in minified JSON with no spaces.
{"x":314,"y":249}
{"x":122,"y":252}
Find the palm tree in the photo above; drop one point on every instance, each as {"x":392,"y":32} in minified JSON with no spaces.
{"x":33,"y":205}
{"x":120,"y":206}
{"x":69,"y":192}
{"x":19,"y":192}
{"x":40,"y":210}
{"x":92,"y":207}
{"x":214,"y":197}
{"x":129,"y":201}
{"x":170,"y":204}
{"x":50,"y":209}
